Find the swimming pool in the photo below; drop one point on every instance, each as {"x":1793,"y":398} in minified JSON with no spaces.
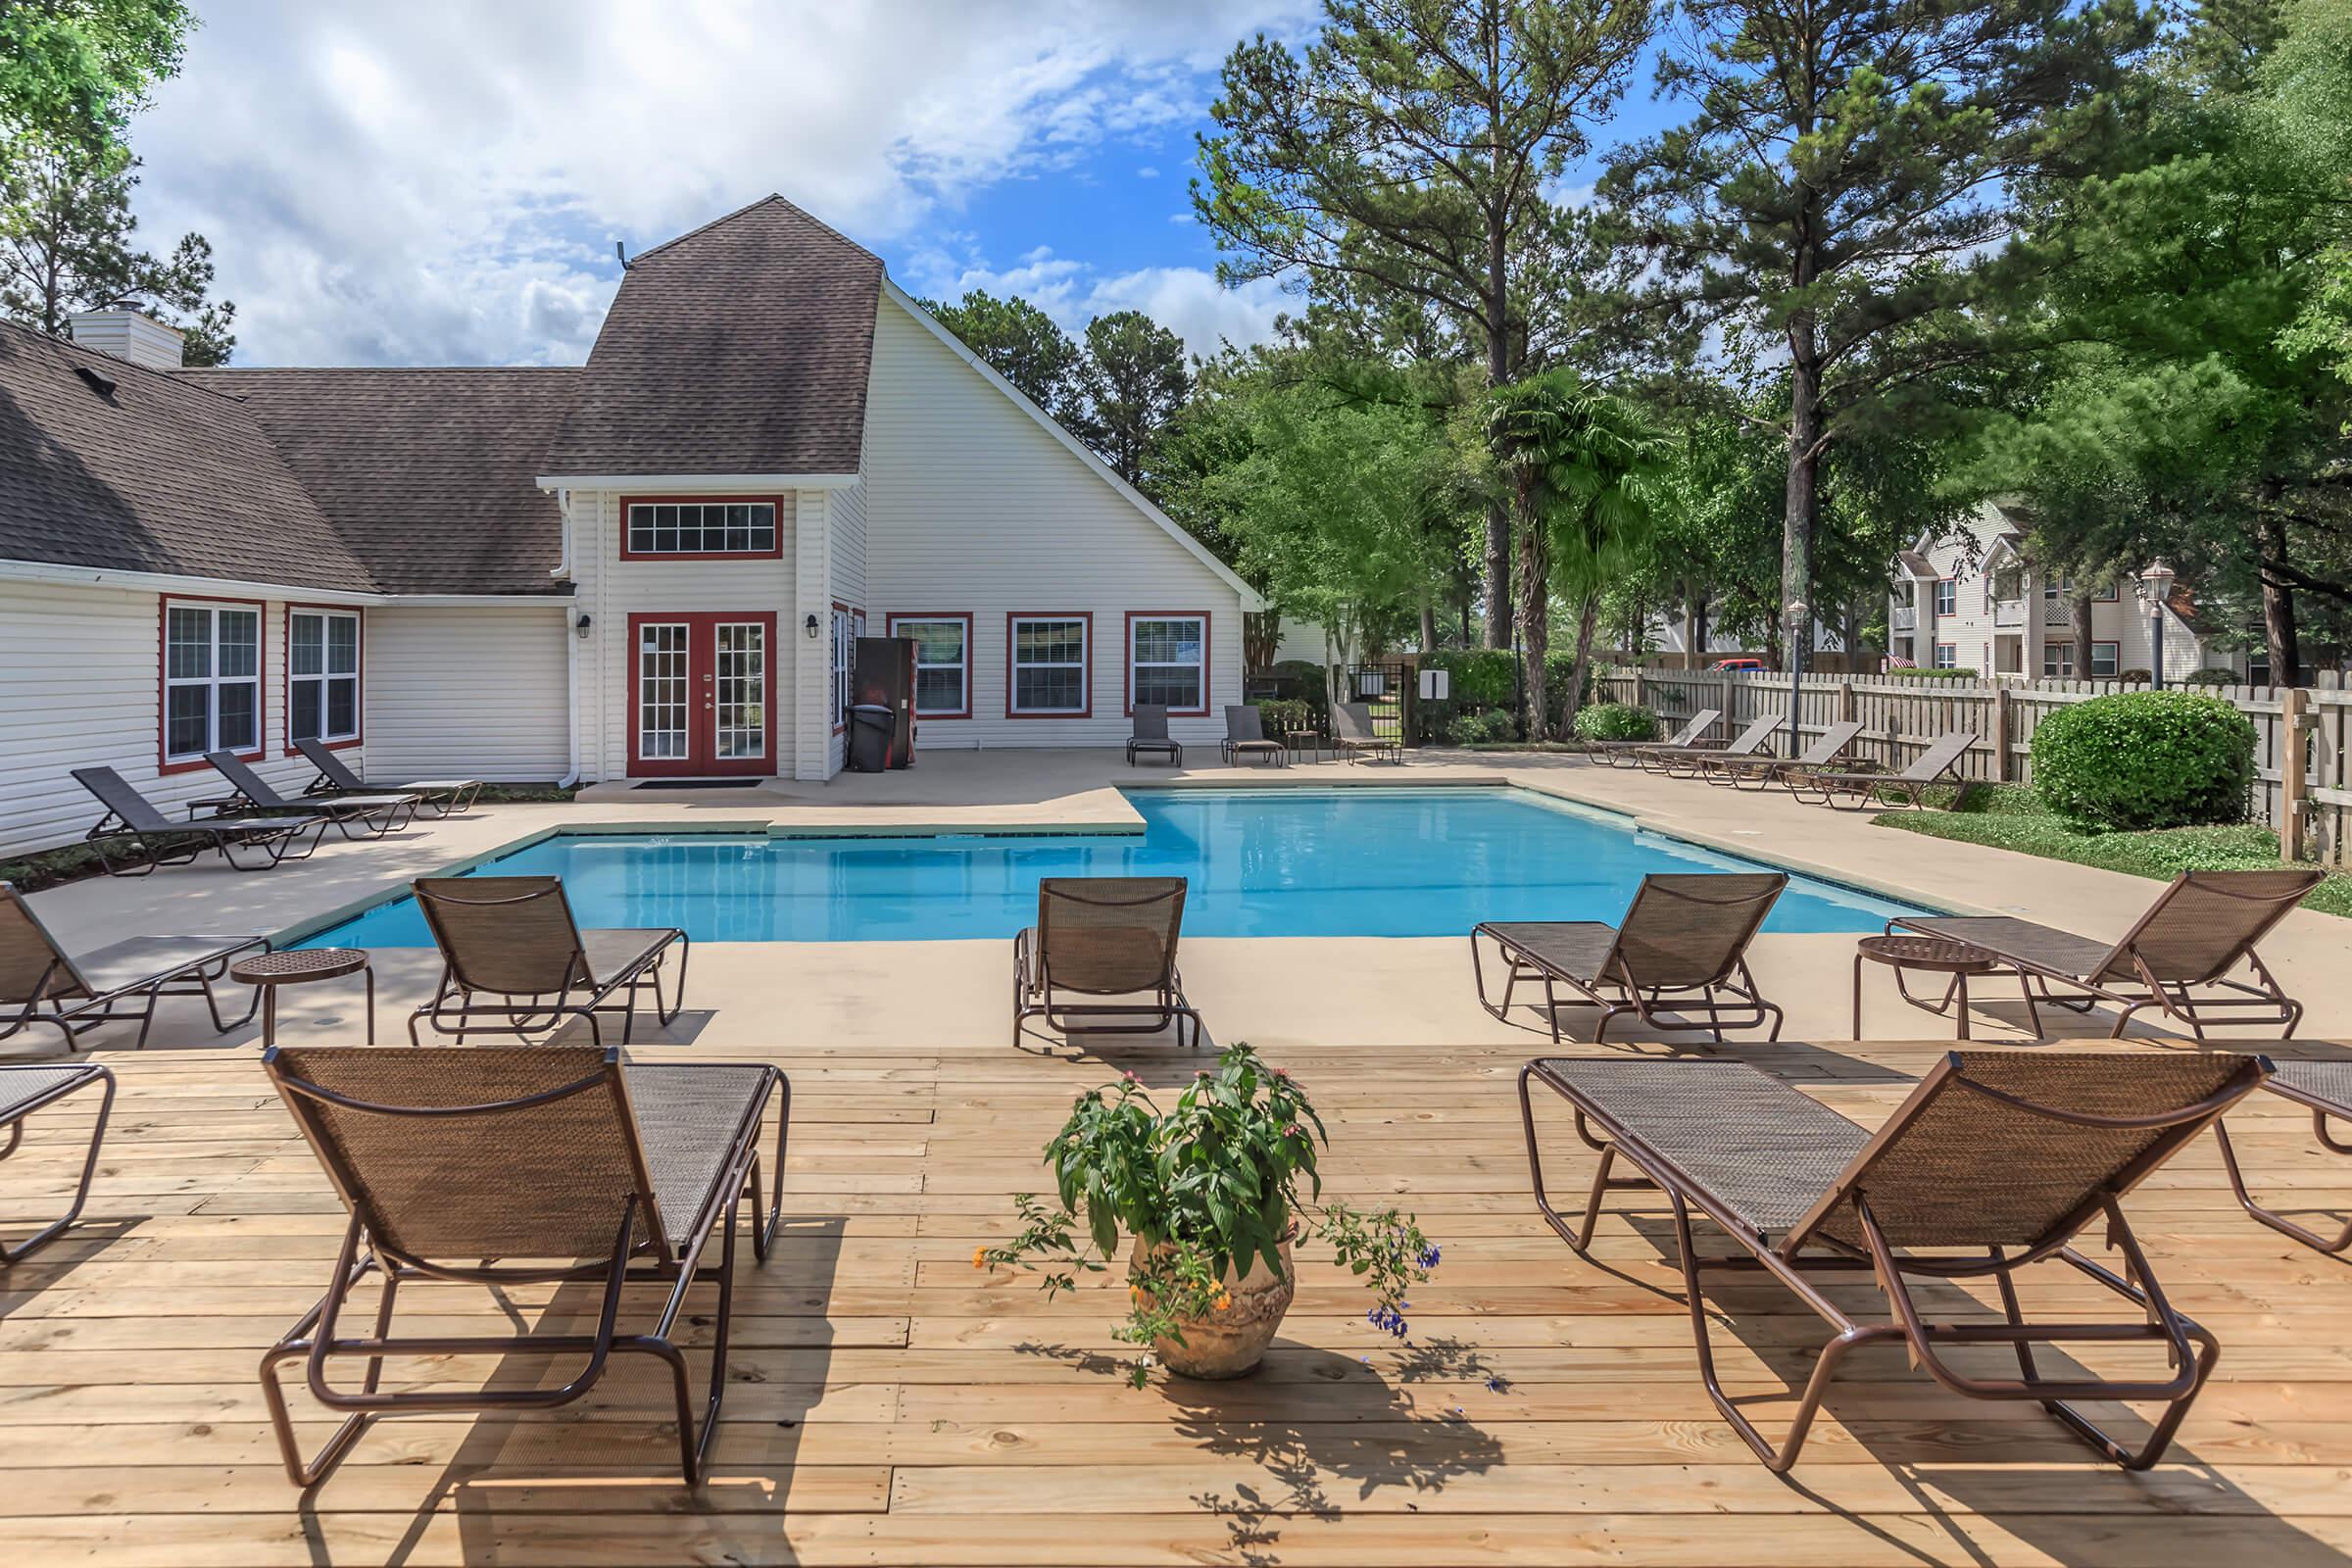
{"x":1290,"y":863}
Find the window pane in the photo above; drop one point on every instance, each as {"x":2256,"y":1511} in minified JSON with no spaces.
{"x":306,"y":645}
{"x":938,"y":691}
{"x":342,"y":706}
{"x":342,"y":645}
{"x":303,"y":718}
{"x":188,"y":639}
{"x":1051,"y":642}
{"x":241,"y":714}
{"x":1050,"y":687}
{"x":936,"y":642}
{"x":1167,"y":642}
{"x":188,"y":721}
{"x":240,"y":634}
{"x":1176,"y":685}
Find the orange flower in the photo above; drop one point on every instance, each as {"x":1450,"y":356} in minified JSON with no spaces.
{"x":979,"y":1257}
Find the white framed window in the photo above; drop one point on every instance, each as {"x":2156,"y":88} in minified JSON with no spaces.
{"x":1947,"y":597}
{"x":1047,"y":658}
{"x":1167,"y":662}
{"x":212,"y":685}
{"x":723,"y":527}
{"x":323,"y":675}
{"x":1948,"y":656}
{"x":943,"y":662}
{"x":2102,"y":660}
{"x":2058,"y":660}
{"x":2106,"y":594}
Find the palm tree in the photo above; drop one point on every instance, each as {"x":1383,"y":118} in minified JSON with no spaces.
{"x":1583,"y":474}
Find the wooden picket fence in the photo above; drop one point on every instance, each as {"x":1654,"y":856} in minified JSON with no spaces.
{"x":2302,"y":749}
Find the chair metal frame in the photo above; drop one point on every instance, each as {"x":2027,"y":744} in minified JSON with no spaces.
{"x":1033,"y":983}
{"x":89,"y":1073}
{"x":2322,"y":1108}
{"x":47,"y":1005}
{"x":381,"y":813}
{"x":442,"y":798}
{"x":540,"y":1013}
{"x":163,"y":842}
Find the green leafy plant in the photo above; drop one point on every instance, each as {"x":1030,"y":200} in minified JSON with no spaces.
{"x":1488,"y":728}
{"x":2145,"y":760}
{"x":1956,"y":673}
{"x":2212,"y":676}
{"x":1616,"y":721}
{"x":1281,"y":714}
{"x":1214,"y":1183}
{"x":1480,"y":677}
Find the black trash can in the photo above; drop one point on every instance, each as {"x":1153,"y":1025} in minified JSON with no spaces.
{"x":870,"y":726}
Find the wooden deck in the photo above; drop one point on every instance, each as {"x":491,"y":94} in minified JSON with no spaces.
{"x":888,"y":1404}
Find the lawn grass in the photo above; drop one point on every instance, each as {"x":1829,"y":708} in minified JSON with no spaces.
{"x":2010,"y":816}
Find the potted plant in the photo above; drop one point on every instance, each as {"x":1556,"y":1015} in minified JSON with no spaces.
{"x":1208,"y":1197}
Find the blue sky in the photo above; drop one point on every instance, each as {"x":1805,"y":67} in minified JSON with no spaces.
{"x":441,"y":181}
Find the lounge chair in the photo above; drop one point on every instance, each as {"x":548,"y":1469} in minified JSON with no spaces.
{"x":1102,"y":936}
{"x":1627,"y":754}
{"x":440,"y":796}
{"x":1686,"y":761}
{"x":155,"y":840}
{"x":1245,"y":736}
{"x":2325,"y":1087}
{"x":603,"y":1176}
{"x":2177,"y":956}
{"x":512,"y":937}
{"x":1152,"y":734}
{"x":1739,"y":771}
{"x":44,"y":984}
{"x":1998,"y":1160}
{"x":25,"y":1089}
{"x":1859,"y":791}
{"x":377,"y":814}
{"x":1682,"y":949}
{"x":1352,"y":737}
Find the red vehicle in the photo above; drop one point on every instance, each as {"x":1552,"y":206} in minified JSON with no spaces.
{"x":1736,"y":663}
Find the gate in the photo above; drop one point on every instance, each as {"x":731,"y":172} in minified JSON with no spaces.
{"x":1387,"y":689}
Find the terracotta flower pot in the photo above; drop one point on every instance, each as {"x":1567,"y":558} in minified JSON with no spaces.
{"x":1230,"y":1341}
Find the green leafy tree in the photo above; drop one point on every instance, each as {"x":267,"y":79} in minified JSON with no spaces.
{"x":1404,"y":162}
{"x":1135,"y":380}
{"x":1020,"y":343}
{"x":77,"y":70}
{"x":1840,"y":194}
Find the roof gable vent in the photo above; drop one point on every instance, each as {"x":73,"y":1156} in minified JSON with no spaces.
{"x":102,"y":385}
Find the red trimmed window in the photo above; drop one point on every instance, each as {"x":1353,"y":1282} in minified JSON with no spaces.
{"x":322,"y":676}
{"x":1047,"y":667}
{"x":942,"y":662}
{"x":2058,"y":660}
{"x":700,"y":527}
{"x":212,"y":680}
{"x":1167,"y":660}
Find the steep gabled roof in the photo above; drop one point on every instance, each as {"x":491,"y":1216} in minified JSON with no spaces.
{"x":740,"y":348}
{"x":428,"y":474}
{"x":108,"y":465}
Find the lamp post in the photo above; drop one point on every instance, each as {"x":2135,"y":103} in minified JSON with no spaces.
{"x":2156,"y":587}
{"x":1799,"y":625}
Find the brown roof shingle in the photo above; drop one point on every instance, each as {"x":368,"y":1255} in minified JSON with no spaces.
{"x":133,"y":470}
{"x":427,"y":474}
{"x":740,"y":348}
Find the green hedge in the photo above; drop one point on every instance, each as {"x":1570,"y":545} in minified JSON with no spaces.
{"x":1280,"y":714}
{"x":1962,"y":673}
{"x":2211,"y":677}
{"x":1482,"y":678}
{"x":1616,"y":721}
{"x":1488,"y":726}
{"x":2145,"y":760}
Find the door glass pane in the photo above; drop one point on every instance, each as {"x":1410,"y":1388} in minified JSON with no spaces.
{"x":741,"y":691}
{"x":661,"y":691}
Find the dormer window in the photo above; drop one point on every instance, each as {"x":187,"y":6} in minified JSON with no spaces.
{"x":700,"y":527}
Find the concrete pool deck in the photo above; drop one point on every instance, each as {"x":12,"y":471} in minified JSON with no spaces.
{"x":1333,"y":991}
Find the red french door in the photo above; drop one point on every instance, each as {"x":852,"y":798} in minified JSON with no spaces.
{"x":701,"y":694}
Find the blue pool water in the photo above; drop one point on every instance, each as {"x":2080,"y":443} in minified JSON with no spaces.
{"x":1288,"y":862}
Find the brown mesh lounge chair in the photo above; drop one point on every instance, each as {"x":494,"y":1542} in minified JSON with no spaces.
{"x":1245,"y":736}
{"x":1352,"y":737}
{"x":41,"y":983}
{"x":1859,"y":791}
{"x":2325,"y":1087}
{"x":1152,"y":734}
{"x":25,"y":1089}
{"x":154,"y":839}
{"x":512,"y":937}
{"x":1761,"y":770}
{"x":1686,"y":761}
{"x":1628,"y":754}
{"x":528,"y":1165}
{"x":1102,"y":936}
{"x":1996,"y":1160}
{"x":2179,"y":956}
{"x":1682,"y":950}
{"x":375,"y":815}
{"x":440,"y":796}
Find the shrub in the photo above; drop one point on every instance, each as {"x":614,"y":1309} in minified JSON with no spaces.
{"x":1917,"y":674}
{"x":1481,"y":677}
{"x":2215,"y":676}
{"x":1488,"y":726}
{"x":2134,"y":677}
{"x":1616,"y":721}
{"x":1303,"y":680}
{"x":2145,"y":760}
{"x":1282,"y":713}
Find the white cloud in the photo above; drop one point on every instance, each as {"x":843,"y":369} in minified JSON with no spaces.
{"x":442,"y":181}
{"x":1186,"y":300}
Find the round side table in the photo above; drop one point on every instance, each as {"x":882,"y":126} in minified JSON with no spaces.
{"x":295,"y":966}
{"x":1928,"y":955}
{"x":1298,"y":742}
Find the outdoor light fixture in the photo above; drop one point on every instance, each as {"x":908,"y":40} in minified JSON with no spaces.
{"x":583,"y":624}
{"x":2156,"y":587}
{"x":810,"y":625}
{"x":1798,"y":614}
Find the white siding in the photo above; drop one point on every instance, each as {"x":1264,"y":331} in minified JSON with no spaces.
{"x":971,"y":505}
{"x":846,"y":565}
{"x":812,"y":668}
{"x":471,"y":691}
{"x":80,"y":673}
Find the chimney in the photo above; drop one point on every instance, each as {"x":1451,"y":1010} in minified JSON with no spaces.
{"x":127,"y":332}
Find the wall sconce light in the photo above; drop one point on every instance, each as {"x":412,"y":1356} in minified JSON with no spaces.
{"x":810,"y":625}
{"x":583,"y":624}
